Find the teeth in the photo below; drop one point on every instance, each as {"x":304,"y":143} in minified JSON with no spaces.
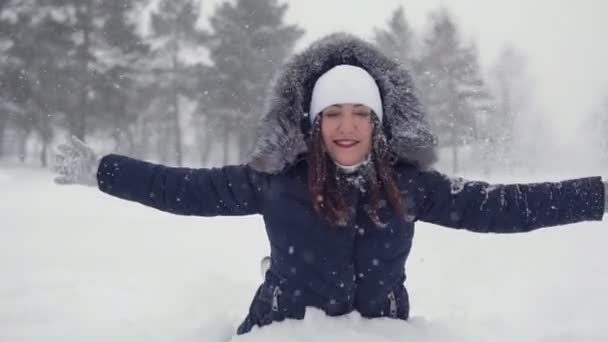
{"x":347,"y":143}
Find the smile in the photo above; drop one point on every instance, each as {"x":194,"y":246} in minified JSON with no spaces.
{"x":346,"y":142}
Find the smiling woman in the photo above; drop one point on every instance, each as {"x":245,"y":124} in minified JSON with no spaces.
{"x":346,"y":113}
{"x":351,"y":136}
{"x":345,"y":96}
{"x":341,"y":172}
{"x":347,"y":133}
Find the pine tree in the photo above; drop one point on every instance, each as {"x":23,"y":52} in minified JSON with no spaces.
{"x":102,"y":39}
{"x":6,"y":103}
{"x":174,"y":32}
{"x":511,"y":87}
{"x":477,"y":95}
{"x":451,"y":85}
{"x":68,"y":62}
{"x":34,"y":60}
{"x":397,"y":40}
{"x":248,"y":44}
{"x":117,"y":105}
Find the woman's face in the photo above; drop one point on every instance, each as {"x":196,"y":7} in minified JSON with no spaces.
{"x":346,"y":130}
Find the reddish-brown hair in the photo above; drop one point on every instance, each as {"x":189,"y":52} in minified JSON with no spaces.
{"x":328,"y":202}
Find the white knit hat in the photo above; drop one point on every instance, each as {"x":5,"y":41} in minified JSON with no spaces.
{"x":345,"y":84}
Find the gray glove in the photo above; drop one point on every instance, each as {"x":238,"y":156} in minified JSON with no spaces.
{"x":77,"y":163}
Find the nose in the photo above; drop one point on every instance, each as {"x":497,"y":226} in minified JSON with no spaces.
{"x":347,"y":123}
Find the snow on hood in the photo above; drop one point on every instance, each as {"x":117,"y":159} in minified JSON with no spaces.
{"x":282,"y":129}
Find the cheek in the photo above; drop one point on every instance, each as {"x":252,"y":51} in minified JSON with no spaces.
{"x":368,"y":145}
{"x":367,"y":132}
{"x":326,"y":131}
{"x":325,"y":138}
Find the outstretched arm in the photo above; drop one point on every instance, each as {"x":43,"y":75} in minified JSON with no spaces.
{"x":511,"y":208}
{"x":228,"y":191}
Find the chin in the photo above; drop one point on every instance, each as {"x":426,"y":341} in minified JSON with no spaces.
{"x":348,"y":161}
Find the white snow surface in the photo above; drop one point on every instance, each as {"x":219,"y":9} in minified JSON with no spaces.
{"x":79,"y":265}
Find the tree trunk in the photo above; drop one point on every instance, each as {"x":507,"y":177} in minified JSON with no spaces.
{"x":163,"y":147}
{"x":177,"y":131}
{"x":455,"y":159}
{"x":245,"y":143}
{"x":78,"y":121}
{"x":129,"y":149}
{"x":226,"y":146}
{"x":175,"y":110}
{"x":22,"y":145}
{"x":43,"y":154}
{"x":46,"y":135}
{"x":3,"y":119}
{"x":205,"y":144}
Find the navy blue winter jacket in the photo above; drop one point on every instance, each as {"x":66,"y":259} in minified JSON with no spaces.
{"x":357,"y":267}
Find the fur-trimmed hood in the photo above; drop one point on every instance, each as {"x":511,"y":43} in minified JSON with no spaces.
{"x":283,"y":128}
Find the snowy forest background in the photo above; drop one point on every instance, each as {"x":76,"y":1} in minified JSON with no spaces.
{"x":183,"y":83}
{"x":143,"y":78}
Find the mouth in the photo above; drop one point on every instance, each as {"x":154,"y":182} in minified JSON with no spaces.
{"x":346,"y":143}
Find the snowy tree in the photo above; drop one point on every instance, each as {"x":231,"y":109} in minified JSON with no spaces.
{"x":101,"y":40}
{"x":66,"y":60}
{"x":397,"y":40}
{"x":475,"y":93}
{"x":84,"y":63}
{"x":249,"y":41}
{"x":174,"y":32}
{"x":118,"y":104}
{"x":6,"y":29}
{"x":511,"y":89}
{"x":34,"y":60}
{"x":451,"y":88}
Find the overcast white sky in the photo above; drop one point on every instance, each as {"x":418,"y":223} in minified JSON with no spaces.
{"x":564,"y":40}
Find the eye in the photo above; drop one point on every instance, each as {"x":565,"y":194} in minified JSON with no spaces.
{"x":331,"y":114}
{"x":363,"y":114}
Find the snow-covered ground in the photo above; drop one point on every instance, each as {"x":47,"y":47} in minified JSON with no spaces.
{"x":78,"y":265}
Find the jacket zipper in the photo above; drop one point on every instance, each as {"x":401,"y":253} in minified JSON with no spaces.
{"x":393,"y":304}
{"x":275,"y":298}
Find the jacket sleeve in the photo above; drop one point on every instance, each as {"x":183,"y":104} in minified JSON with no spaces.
{"x":230,"y":190}
{"x":506,"y":208}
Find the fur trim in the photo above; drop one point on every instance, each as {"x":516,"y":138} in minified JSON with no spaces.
{"x":281,"y":136}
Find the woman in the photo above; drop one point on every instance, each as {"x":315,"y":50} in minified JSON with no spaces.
{"x":340,"y":173}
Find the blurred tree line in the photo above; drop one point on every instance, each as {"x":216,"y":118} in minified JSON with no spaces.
{"x":178,"y":93}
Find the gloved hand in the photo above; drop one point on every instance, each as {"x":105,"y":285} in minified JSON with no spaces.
{"x":77,"y":163}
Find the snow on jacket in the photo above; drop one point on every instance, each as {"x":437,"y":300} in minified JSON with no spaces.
{"x":359,"y":266}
